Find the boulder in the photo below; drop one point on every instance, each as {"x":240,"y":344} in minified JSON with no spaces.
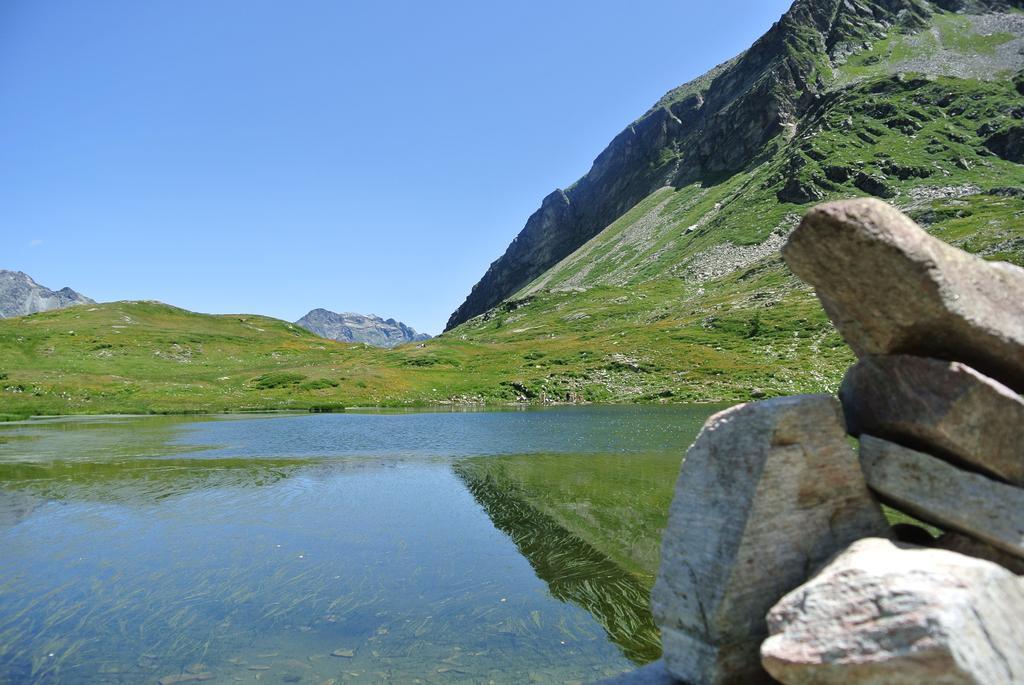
{"x":945,"y":495}
{"x":943,"y":407}
{"x":874,"y":184}
{"x":1008,"y":144}
{"x":890,"y":288}
{"x":768,"y":492}
{"x":886,"y":614}
{"x":799,"y":192}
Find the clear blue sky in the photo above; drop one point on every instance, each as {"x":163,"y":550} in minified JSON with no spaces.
{"x":270,"y":157}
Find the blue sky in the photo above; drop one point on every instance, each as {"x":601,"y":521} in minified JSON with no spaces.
{"x":272,"y":157}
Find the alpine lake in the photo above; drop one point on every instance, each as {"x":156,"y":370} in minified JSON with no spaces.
{"x":363,"y":547}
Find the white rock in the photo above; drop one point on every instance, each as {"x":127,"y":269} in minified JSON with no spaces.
{"x":882,"y":614}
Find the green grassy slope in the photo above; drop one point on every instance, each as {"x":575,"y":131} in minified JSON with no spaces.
{"x":683,"y":298}
{"x":139,"y":357}
{"x":686,"y":297}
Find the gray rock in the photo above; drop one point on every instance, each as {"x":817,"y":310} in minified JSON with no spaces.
{"x":651,"y":674}
{"x":890,"y":288}
{"x":1008,"y":144}
{"x":943,"y":407}
{"x":882,"y":614}
{"x":20,"y":296}
{"x":873,"y":184}
{"x":965,"y":544}
{"x":769,"y":491}
{"x":359,"y":328}
{"x":940,"y":493}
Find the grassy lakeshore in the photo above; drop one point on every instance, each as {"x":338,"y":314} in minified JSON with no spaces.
{"x":145,"y":357}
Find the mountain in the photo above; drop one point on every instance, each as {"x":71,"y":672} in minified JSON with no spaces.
{"x":20,"y":295}
{"x":657,"y":277}
{"x":358,"y":328}
{"x":765,"y":104}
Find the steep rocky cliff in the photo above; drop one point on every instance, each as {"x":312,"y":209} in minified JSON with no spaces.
{"x":359,"y":328}
{"x":20,"y":295}
{"x":729,"y":120}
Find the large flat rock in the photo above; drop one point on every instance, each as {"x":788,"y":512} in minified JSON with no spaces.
{"x":890,"y":288}
{"x":882,"y":614}
{"x":768,"y":492}
{"x":942,"y":407}
{"x":940,"y":493}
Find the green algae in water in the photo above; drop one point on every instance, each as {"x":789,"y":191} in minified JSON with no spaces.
{"x":240,"y":561}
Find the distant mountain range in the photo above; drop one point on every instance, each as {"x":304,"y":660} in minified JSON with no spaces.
{"x":20,"y":295}
{"x":359,"y":328}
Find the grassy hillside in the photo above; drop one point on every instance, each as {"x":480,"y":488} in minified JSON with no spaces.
{"x":683,"y":298}
{"x":686,"y":297}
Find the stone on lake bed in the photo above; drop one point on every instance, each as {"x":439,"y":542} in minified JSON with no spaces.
{"x":651,"y":674}
{"x":940,"y":406}
{"x":184,"y":678}
{"x":768,"y":492}
{"x":886,"y":614}
{"x":345,"y":653}
{"x":890,"y":288}
{"x":940,"y":493}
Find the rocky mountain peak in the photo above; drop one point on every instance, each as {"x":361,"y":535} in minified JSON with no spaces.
{"x":359,"y":328}
{"x":20,"y":295}
{"x":708,"y":129}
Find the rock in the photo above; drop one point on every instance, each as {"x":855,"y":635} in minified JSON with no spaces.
{"x":943,"y":407}
{"x":940,"y":493}
{"x":883,"y":614}
{"x":965,"y":544}
{"x":1008,"y":144}
{"x":798,"y":192}
{"x":873,"y":184}
{"x":178,"y":678}
{"x":769,"y":491}
{"x":838,"y":174}
{"x":890,"y":288}
{"x":651,"y":674}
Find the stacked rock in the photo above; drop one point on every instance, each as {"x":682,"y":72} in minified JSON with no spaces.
{"x":777,"y":562}
{"x":934,"y":399}
{"x":940,"y":336}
